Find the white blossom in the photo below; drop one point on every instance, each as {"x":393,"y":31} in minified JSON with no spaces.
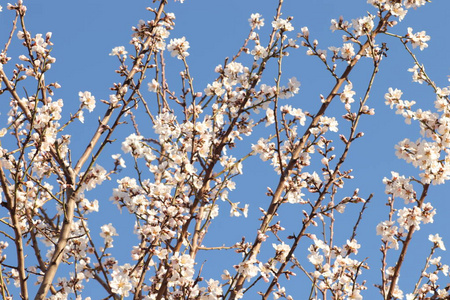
{"x":87,"y":100}
{"x":256,"y":21}
{"x":178,"y":47}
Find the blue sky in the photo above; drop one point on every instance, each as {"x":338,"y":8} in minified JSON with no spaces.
{"x":84,"y":32}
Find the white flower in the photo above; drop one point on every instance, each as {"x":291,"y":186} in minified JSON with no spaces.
{"x":282,"y":24}
{"x":352,"y":246}
{"x":210,"y":211}
{"x":392,"y":97}
{"x":362,"y":26}
{"x":328,"y":124}
{"x":437,"y":240}
{"x":334,"y":25}
{"x":214,"y":289}
{"x":121,"y":285}
{"x":396,"y":9}
{"x":418,"y":39}
{"x":256,"y":21}
{"x":414,"y":3}
{"x":248,"y":269}
{"x":315,"y":258}
{"x":133,"y":144}
{"x":355,"y":295}
{"x":347,"y":95}
{"x":270,"y":117}
{"x":153,"y":86}
{"x":3,"y":246}
{"x":117,"y":51}
{"x":282,"y":250}
{"x":96,"y":176}
{"x":305,"y":32}
{"x":388,"y":233}
{"x":178,"y":47}
{"x":347,"y":51}
{"x":87,"y":100}
{"x":233,"y":68}
{"x":119,"y":161}
{"x":89,"y":206}
{"x":442,"y":294}
{"x":410,"y":217}
{"x":294,"y":85}
{"x":80,"y":116}
{"x":259,"y":52}
{"x":295,"y":112}
{"x":214,"y":89}
{"x":40,"y":44}
{"x":108,"y":231}
{"x":418,"y":74}
{"x":113,"y":100}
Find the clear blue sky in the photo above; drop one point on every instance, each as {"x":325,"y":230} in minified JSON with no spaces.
{"x":84,"y":32}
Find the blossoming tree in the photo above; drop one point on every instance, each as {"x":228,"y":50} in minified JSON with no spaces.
{"x":182,"y":171}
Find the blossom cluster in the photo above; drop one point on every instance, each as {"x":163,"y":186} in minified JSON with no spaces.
{"x":335,"y":270}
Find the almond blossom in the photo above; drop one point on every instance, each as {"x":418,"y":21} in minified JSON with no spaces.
{"x":419,"y":39}
{"x":178,"y":47}
{"x":190,"y":144}
{"x":256,"y":21}
{"x":87,"y":100}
